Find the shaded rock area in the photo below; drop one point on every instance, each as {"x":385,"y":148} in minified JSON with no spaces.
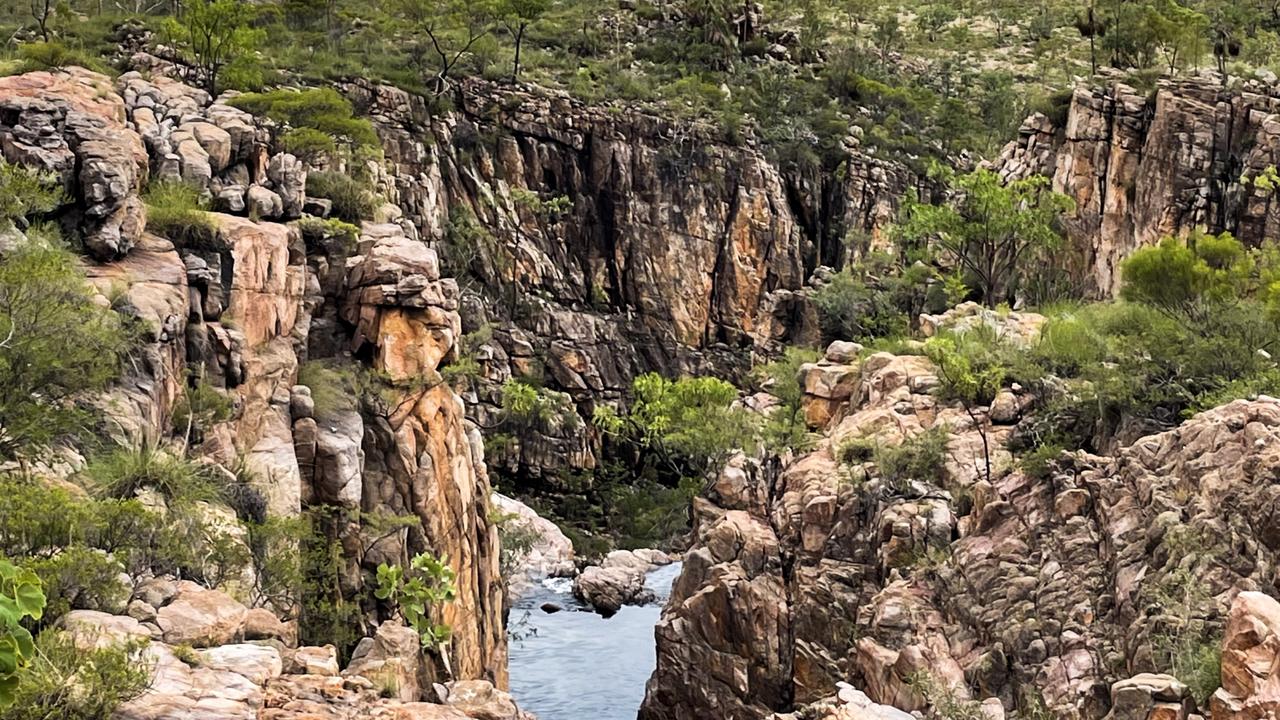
{"x":1005,"y":590}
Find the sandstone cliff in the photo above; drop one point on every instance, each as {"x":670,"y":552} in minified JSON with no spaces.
{"x":1145,"y":165}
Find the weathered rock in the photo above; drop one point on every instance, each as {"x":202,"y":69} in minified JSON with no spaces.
{"x":607,"y":589}
{"x":550,"y":552}
{"x":390,"y":659}
{"x":1142,"y":166}
{"x":991,"y":585}
{"x":200,"y":617}
{"x":313,"y":661}
{"x":1250,"y":660}
{"x":69,"y":123}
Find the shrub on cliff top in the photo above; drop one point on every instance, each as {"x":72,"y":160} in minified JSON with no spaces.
{"x":312,"y":114}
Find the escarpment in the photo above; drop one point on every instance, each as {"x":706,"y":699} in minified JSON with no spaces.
{"x":1142,"y":166}
{"x":246,"y":297}
{"x":1021,"y":591}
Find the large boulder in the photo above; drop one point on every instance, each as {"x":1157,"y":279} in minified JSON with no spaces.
{"x":200,"y":617}
{"x":607,"y":589}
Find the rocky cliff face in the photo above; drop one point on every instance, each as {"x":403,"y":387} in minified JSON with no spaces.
{"x":1145,"y":165}
{"x":678,"y":251}
{"x":245,"y":307}
{"x":1019,"y":591}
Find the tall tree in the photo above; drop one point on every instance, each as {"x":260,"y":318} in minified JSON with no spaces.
{"x":446,"y":32}
{"x":988,"y":227}
{"x":217,"y":32}
{"x":517,"y":16}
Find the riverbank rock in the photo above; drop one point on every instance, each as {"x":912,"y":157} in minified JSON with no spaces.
{"x":549,"y":553}
{"x":619,"y":580}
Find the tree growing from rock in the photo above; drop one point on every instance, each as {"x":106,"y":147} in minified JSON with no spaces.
{"x":988,"y":228}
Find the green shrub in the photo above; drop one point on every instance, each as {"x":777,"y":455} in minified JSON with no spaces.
{"x":785,"y":428}
{"x":26,"y":193}
{"x":21,"y":599}
{"x":68,"y":682}
{"x":54,"y":55}
{"x":311,"y":113}
{"x":420,"y":592}
{"x":309,"y":144}
{"x":527,"y":406}
{"x":690,"y":425}
{"x":922,"y":458}
{"x":334,"y":237}
{"x":57,"y":345}
{"x":335,"y":387}
{"x":200,"y":407}
{"x":124,"y":472}
{"x":177,"y":211}
{"x":351,"y":200}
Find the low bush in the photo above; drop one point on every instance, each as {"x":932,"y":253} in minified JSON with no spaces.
{"x":66,"y":681}
{"x":335,"y":387}
{"x":352,"y":200}
{"x":921,"y":458}
{"x":177,"y":211}
{"x":54,"y":55}
{"x":312,"y":114}
{"x":124,"y":472}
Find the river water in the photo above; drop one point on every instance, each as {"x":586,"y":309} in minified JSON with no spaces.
{"x":575,"y":665}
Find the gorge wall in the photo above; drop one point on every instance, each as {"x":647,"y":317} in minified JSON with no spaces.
{"x":678,"y":251}
{"x":1142,"y":166}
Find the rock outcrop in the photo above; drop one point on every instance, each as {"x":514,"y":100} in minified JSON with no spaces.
{"x":1001,"y":589}
{"x":1250,"y":660}
{"x":1141,"y":166}
{"x":242,"y":678}
{"x":618,"y":580}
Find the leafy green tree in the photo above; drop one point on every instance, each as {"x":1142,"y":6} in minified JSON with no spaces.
{"x":689,"y":427}
{"x":56,"y":343}
{"x":517,"y":16}
{"x":419,"y":593}
{"x":217,"y":33}
{"x":1180,"y":33}
{"x":990,"y":228}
